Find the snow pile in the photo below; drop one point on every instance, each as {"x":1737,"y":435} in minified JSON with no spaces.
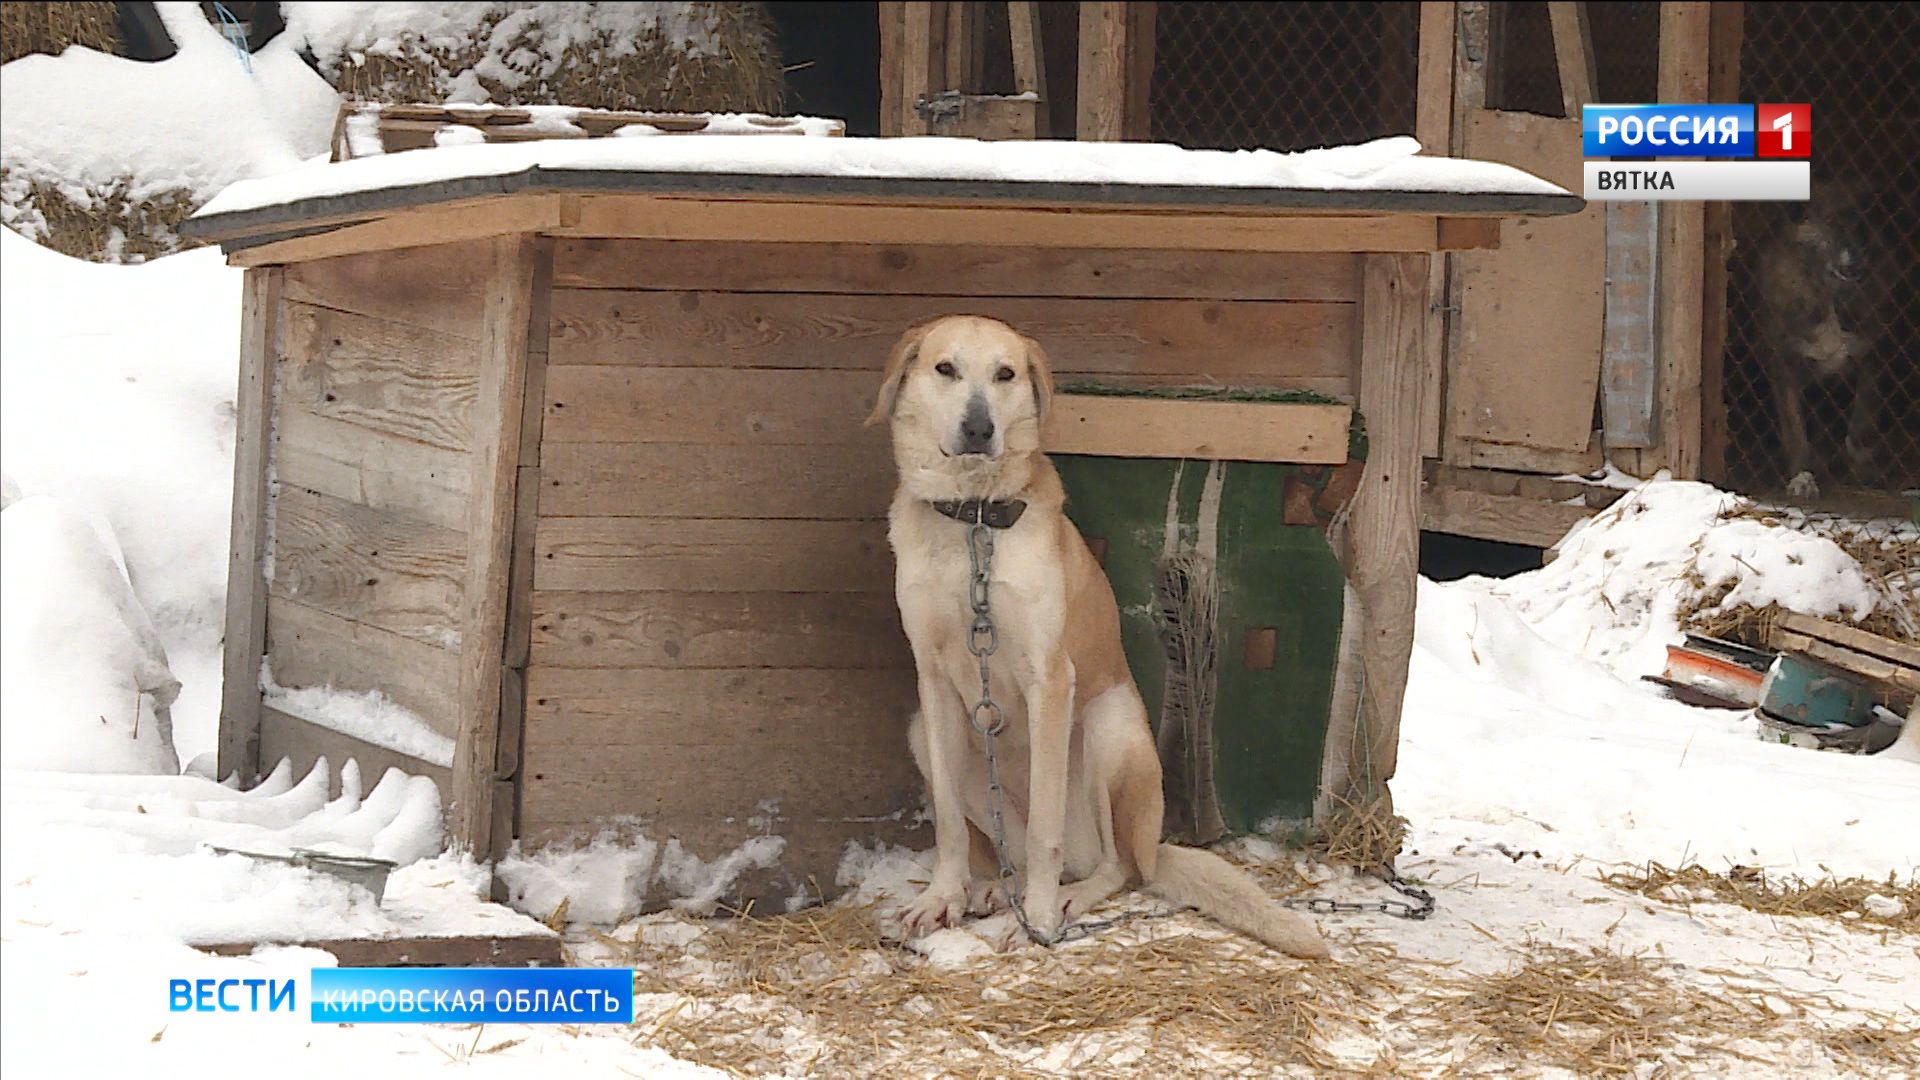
{"x":1388,"y":164}
{"x":91,"y":123}
{"x":1616,"y":590}
{"x":87,"y":686}
{"x":369,"y":716}
{"x":116,"y":396}
{"x":1527,"y":728}
{"x":612,"y":877}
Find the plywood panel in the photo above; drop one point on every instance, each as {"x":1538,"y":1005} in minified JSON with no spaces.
{"x":909,"y":269}
{"x":361,"y":465}
{"x":694,"y":555}
{"x":435,"y":287}
{"x":1527,"y":368}
{"x":384,"y":375}
{"x":709,"y":405}
{"x":663,"y":480}
{"x":368,"y":565}
{"x":302,"y":742}
{"x":308,"y":647}
{"x":1250,"y":341}
{"x":718,"y":630}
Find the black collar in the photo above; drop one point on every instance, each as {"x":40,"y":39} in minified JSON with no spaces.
{"x":993,"y":513}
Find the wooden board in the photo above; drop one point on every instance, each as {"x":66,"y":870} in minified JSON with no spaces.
{"x":520,"y":267}
{"x":1207,"y":430}
{"x":250,"y":527}
{"x":718,"y":630}
{"x":1527,"y":367}
{"x":1258,"y":342}
{"x":1886,"y":648}
{"x":379,"y":374}
{"x":1684,"y":49}
{"x":362,"y":465}
{"x":761,"y":481}
{"x":715,"y":406}
{"x":309,"y":647}
{"x":435,"y":287}
{"x":368,"y":565}
{"x":1871,"y":668}
{"x":701,"y":555}
{"x":915,"y":269}
{"x":535,"y":950}
{"x":1511,"y":519}
{"x":302,"y":742}
{"x":613,"y":711}
{"x":1433,"y":121}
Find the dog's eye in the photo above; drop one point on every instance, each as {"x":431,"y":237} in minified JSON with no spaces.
{"x":1005,"y":374}
{"x":945,"y":367}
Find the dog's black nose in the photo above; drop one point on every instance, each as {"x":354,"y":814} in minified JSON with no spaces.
{"x":976,"y":429}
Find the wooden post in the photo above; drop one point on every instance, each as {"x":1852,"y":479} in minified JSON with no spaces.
{"x":1029,"y":58}
{"x":1383,"y":532}
{"x":1573,"y":56}
{"x":1723,"y":84}
{"x":1433,"y":126}
{"x":498,"y":426}
{"x":1116,"y":64}
{"x":893,"y":67}
{"x":916,"y":65}
{"x":1472,"y":46}
{"x":1684,"y":35}
{"x":246,"y":616}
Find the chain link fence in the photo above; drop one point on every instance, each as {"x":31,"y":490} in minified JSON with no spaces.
{"x":1823,"y":329}
{"x":1229,"y":76}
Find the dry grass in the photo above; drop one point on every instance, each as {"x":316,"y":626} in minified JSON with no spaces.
{"x":1889,"y":555}
{"x":1365,"y":837}
{"x":1841,"y":899}
{"x":111,"y":226}
{"x":745,"y":76}
{"x":26,"y":29}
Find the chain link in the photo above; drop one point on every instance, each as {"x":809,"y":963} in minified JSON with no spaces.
{"x":1419,"y":909}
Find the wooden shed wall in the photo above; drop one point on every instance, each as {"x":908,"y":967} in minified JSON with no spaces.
{"x":713,"y":627}
{"x":375,"y":374}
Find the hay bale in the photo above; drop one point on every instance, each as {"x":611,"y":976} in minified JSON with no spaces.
{"x":691,"y":57}
{"x":99,"y":223}
{"x":26,"y":29}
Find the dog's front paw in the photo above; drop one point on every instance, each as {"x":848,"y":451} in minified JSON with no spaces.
{"x":1804,"y":486}
{"x":939,"y":906}
{"x":986,"y":896}
{"x":1045,"y":916}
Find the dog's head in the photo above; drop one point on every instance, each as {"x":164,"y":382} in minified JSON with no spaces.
{"x":965,"y":389}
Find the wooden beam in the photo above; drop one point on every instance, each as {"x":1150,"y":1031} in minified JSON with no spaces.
{"x":1723,"y":84}
{"x":666,"y":218}
{"x":1203,"y":430}
{"x":1137,"y":124}
{"x":1511,"y":519}
{"x":962,"y":46}
{"x":1629,"y":347}
{"x":1383,"y":533}
{"x":497,"y":430}
{"x":893,"y":67}
{"x":1104,"y":69}
{"x":1433,"y":126}
{"x":916,"y":52}
{"x":246,"y":614}
{"x":468,"y":219}
{"x":1684,"y":36}
{"x":1573,"y":56}
{"x":1865,"y":641}
{"x":1029,"y":57}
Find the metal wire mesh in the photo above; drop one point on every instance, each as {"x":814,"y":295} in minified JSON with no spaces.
{"x":1283,"y":76}
{"x":1824,"y":299}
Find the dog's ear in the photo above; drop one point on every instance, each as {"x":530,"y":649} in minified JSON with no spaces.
{"x":1040,"y":373}
{"x":904,"y":352}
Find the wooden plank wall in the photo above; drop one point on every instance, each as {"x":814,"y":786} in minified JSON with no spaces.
{"x":713,"y":629}
{"x":377,"y":373}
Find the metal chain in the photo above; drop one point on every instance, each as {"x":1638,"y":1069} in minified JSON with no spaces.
{"x":1420,"y":908}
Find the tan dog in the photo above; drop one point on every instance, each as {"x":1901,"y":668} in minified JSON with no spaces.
{"x":965,"y":396}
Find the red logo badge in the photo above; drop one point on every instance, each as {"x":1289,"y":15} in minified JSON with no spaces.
{"x":1783,"y":131}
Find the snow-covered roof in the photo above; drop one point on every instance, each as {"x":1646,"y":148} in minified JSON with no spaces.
{"x":1386,"y":174}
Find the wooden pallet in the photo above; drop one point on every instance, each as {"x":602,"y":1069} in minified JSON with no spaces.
{"x":1892,"y":665}
{"x":368,"y":129}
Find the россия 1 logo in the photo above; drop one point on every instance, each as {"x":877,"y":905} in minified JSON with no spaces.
{"x":1725,"y":138}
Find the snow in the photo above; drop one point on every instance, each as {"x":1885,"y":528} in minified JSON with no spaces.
{"x":612,"y":876}
{"x":196,"y":122}
{"x":116,"y":397}
{"x":368,"y":715}
{"x":1390,"y":164}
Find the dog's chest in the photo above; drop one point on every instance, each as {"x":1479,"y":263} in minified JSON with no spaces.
{"x":1025,"y":593}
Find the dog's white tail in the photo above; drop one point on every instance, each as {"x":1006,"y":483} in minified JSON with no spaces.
{"x":1219,"y":890}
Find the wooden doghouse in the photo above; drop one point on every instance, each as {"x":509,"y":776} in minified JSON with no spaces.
{"x":570,"y":461}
